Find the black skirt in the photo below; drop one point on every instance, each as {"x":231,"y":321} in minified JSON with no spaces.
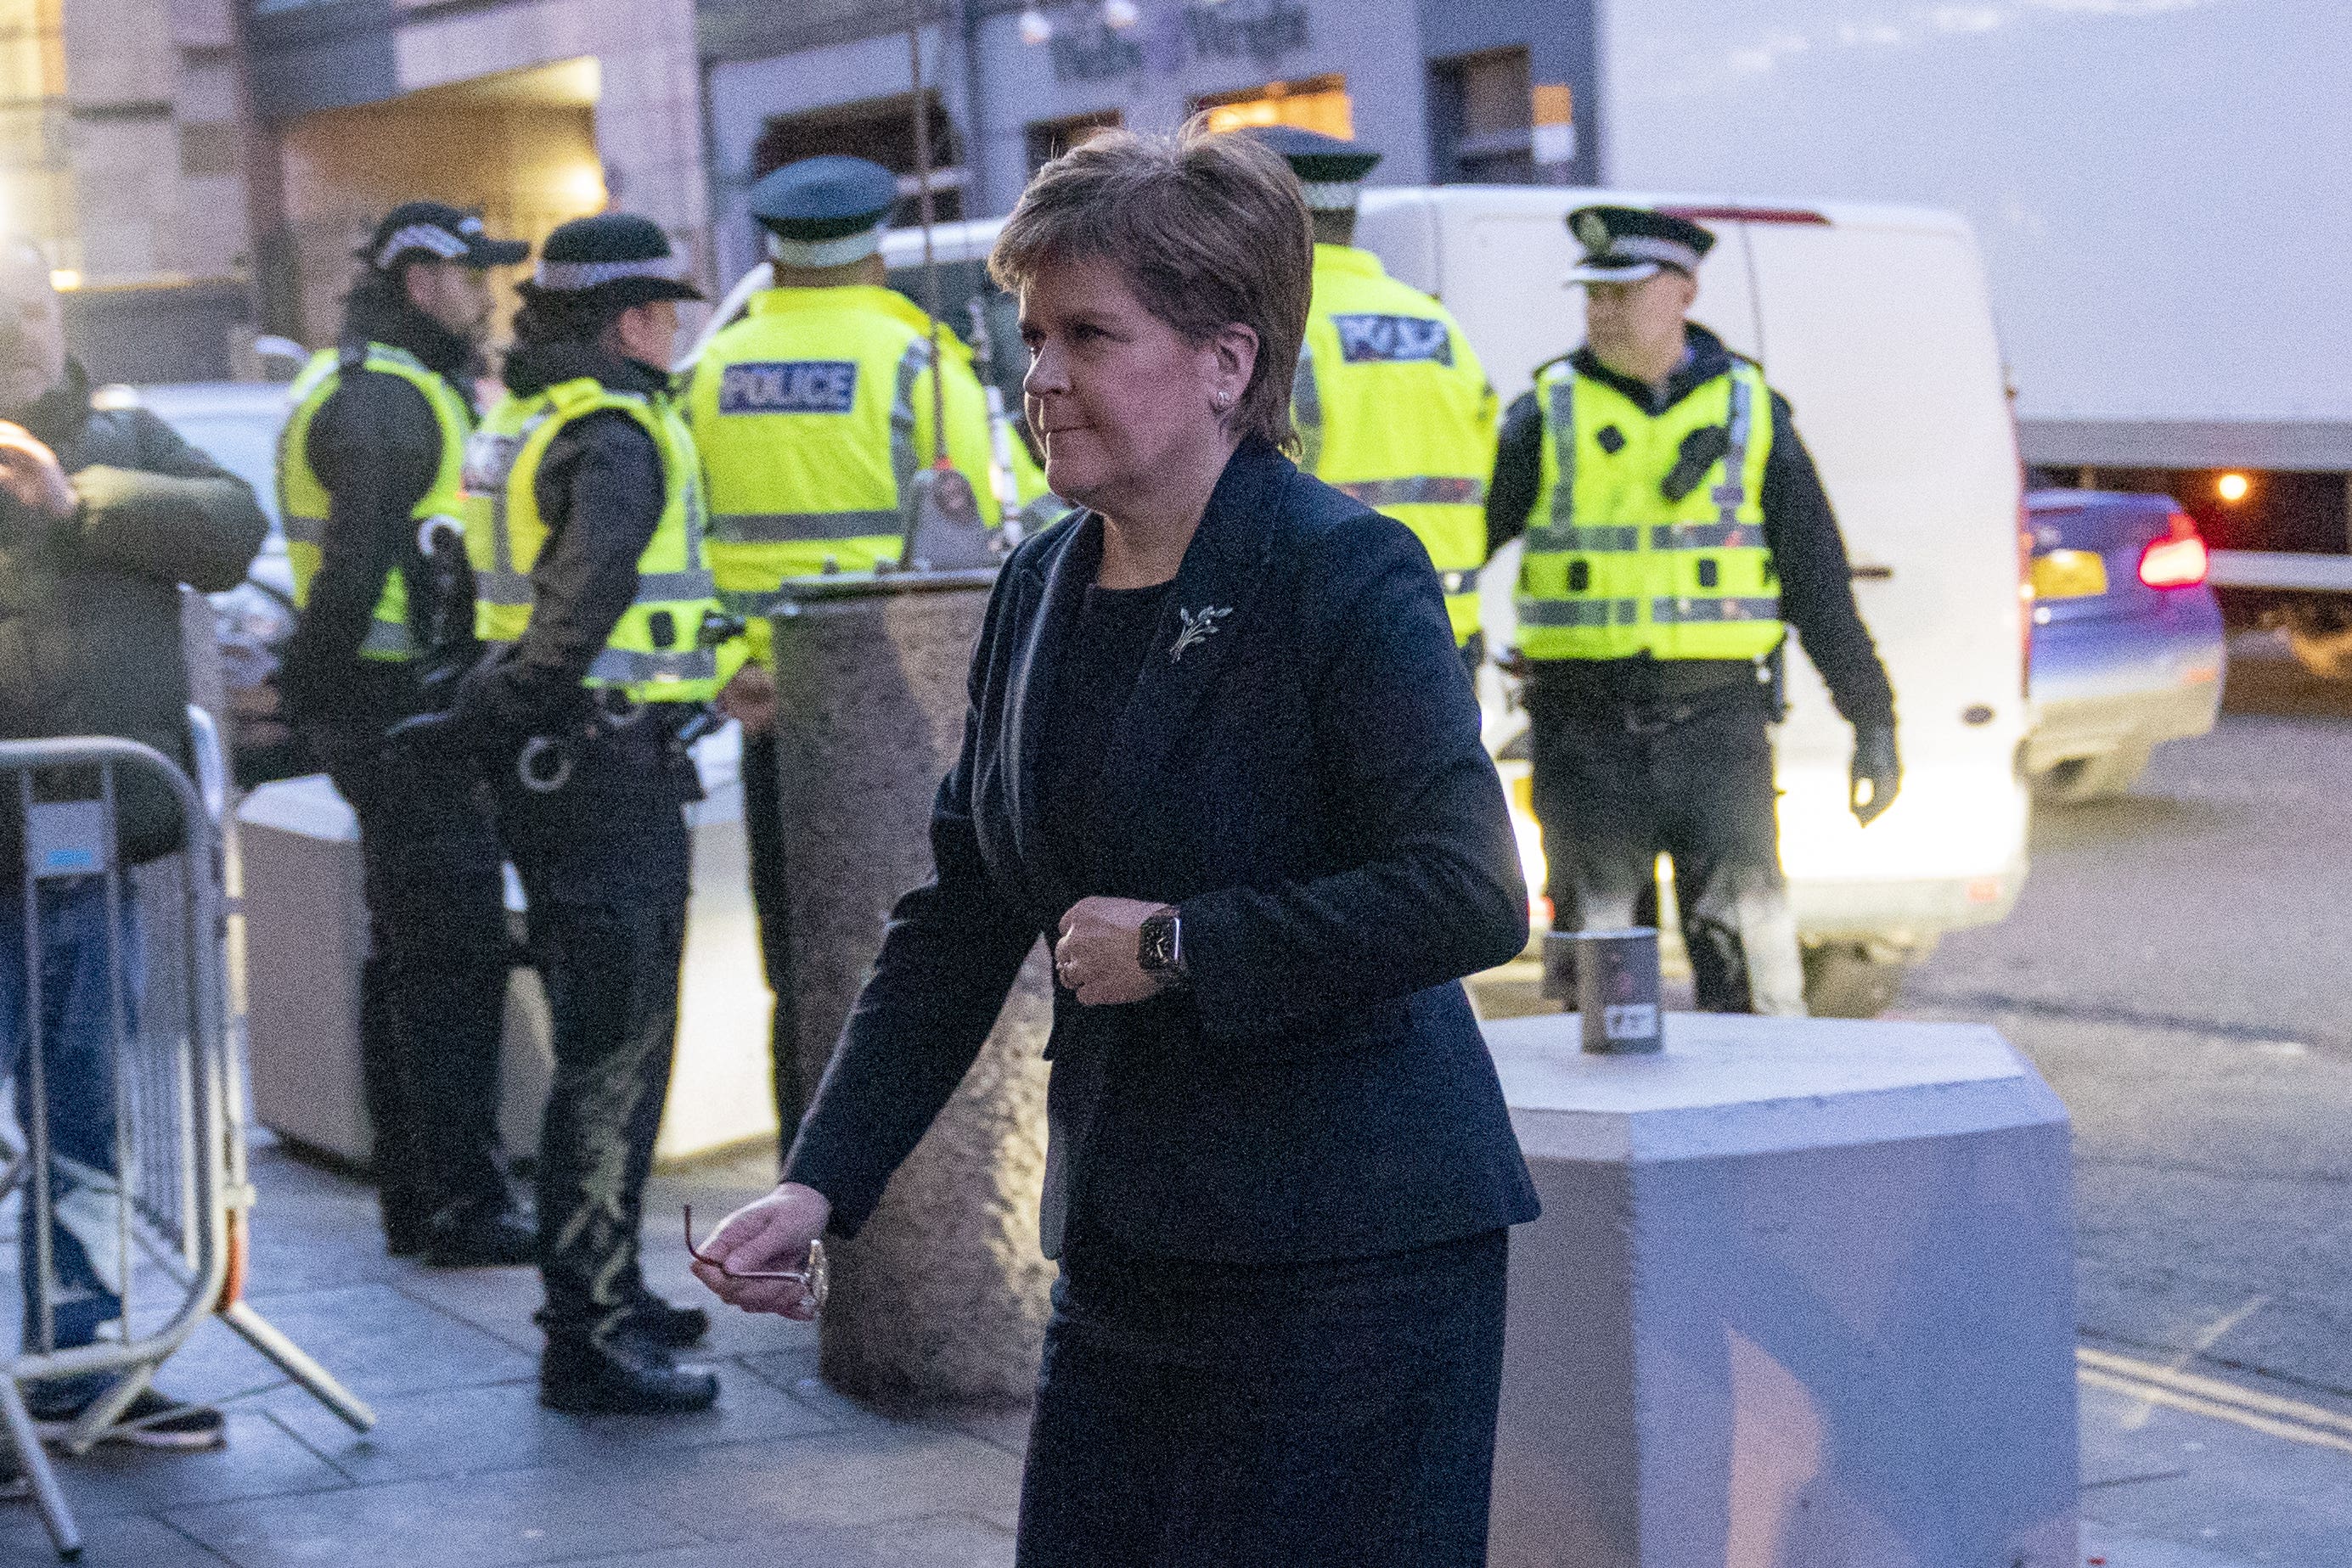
{"x":1208,"y":1416}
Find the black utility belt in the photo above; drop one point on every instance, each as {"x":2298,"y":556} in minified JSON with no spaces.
{"x":1642,"y":681}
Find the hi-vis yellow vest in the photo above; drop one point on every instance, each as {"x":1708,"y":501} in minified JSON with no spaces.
{"x":812,"y":414}
{"x":1612,"y":568}
{"x":1392,"y":407}
{"x":302,"y":500}
{"x":654,"y":652}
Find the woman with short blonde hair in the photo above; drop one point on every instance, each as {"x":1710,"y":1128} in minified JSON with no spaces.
{"x":1222,"y":755}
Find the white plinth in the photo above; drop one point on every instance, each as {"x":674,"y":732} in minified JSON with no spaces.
{"x":1801,"y":1297}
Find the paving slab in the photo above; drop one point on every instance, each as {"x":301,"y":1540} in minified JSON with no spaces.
{"x":2168,"y":1478}
{"x":480,"y":1522}
{"x":877,"y":1474}
{"x":476,"y":1431}
{"x":945,"y":1540}
{"x":127,"y":1541}
{"x":261,"y":1460}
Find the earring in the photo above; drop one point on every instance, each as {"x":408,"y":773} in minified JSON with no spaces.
{"x":1221,"y":401}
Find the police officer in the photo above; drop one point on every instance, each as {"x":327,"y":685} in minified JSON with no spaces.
{"x":368,"y":479}
{"x":584,"y":525}
{"x":1674,"y":524}
{"x":1390,"y":401}
{"x":812,"y":412}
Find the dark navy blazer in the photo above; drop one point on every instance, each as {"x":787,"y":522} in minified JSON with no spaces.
{"x":1299,"y":771}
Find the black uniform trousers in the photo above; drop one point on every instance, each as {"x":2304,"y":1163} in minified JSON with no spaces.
{"x":433,"y":990}
{"x":604,"y":866}
{"x":1617,"y":781}
{"x":763,"y":835}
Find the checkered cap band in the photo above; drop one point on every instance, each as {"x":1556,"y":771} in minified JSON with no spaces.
{"x":421,"y":236}
{"x":1332,"y":196}
{"x":1649,"y":248}
{"x":814,"y":253}
{"x":571,"y":276}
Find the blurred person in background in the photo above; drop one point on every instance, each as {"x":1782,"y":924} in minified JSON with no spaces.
{"x":370,"y":460}
{"x":103,"y":515}
{"x":584,"y":520}
{"x":812,"y":414}
{"x":1391,"y":402}
{"x":1676,"y":529}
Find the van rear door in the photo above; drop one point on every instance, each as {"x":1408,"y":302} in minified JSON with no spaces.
{"x":1877,"y":327}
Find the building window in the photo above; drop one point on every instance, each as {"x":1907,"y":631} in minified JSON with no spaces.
{"x":1482,"y":119}
{"x":880,"y":129}
{"x":1049,"y":139}
{"x":1319,"y":103}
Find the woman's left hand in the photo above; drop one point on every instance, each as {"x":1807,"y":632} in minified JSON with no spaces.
{"x":1100,"y":952}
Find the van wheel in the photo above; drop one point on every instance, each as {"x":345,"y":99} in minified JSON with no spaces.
{"x":2101,"y":777}
{"x":1844,"y":981}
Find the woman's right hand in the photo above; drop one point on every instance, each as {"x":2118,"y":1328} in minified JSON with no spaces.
{"x":767,"y":1235}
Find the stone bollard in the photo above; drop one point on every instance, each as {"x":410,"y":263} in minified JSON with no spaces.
{"x":944,"y":1294}
{"x":1801,"y":1296}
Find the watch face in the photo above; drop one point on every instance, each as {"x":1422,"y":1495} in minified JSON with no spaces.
{"x":1159,"y":943}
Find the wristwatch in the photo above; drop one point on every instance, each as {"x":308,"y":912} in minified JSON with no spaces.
{"x":1160,"y":946}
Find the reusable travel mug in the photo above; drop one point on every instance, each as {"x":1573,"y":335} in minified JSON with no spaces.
{"x":1617,"y":990}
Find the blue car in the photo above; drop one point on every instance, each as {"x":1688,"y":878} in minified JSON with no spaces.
{"x":2128,"y":649}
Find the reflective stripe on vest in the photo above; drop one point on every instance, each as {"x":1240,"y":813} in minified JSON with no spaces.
{"x":303,"y":499}
{"x":1392,"y":407}
{"x":1615,"y":568}
{"x":653,"y":652}
{"x":812,"y":415}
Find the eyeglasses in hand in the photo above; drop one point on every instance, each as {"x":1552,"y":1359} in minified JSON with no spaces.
{"x":814,"y":1277}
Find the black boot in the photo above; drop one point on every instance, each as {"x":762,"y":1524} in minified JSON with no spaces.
{"x":407,"y":1222}
{"x":621,"y":1377}
{"x":493,"y":1235}
{"x":656,"y":1321}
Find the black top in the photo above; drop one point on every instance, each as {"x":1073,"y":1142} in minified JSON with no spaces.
{"x":375,"y":447}
{"x":1100,"y":661}
{"x":1809,"y":553}
{"x":1305,"y":782}
{"x":90,"y":604}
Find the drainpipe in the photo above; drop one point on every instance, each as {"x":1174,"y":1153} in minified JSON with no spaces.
{"x":978,"y":204}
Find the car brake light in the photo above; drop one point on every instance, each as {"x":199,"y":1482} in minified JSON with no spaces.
{"x":2173,"y":563}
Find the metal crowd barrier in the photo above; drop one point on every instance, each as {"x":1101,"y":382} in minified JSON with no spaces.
{"x":171,"y":1222}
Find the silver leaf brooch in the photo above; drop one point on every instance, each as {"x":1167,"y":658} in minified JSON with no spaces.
{"x":1200,"y":625}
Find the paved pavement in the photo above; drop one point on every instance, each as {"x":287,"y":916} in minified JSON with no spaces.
{"x":2174,"y":968}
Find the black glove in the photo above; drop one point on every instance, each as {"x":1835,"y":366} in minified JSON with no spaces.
{"x":1877,"y":771}
{"x":467,"y":717}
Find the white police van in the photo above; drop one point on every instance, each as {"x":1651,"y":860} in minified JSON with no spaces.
{"x":1875,"y":323}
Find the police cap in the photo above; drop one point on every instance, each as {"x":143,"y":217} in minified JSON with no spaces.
{"x":1626,"y":245}
{"x":438,"y":232}
{"x":615,"y":256}
{"x":1332,"y":170}
{"x":825,"y":212}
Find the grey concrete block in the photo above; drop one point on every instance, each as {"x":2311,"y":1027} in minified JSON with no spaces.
{"x":944,"y":1294}
{"x":1801,"y":1297}
{"x":518,"y":1517}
